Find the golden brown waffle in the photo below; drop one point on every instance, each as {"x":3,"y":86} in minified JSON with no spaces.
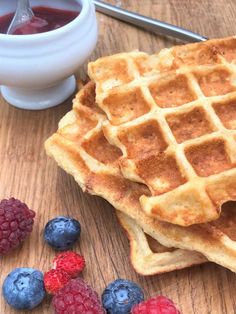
{"x":148,"y":256}
{"x":80,"y":148}
{"x":173,"y":115}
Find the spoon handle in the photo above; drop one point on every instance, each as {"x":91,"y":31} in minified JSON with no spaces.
{"x":149,"y":24}
{"x":23,"y":6}
{"x":22,"y":15}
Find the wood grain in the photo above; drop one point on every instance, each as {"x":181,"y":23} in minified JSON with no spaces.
{"x":28,"y":174}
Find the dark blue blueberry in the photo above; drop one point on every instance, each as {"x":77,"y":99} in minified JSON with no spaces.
{"x":62,"y":233}
{"x":120,"y":296}
{"x":23,"y":288}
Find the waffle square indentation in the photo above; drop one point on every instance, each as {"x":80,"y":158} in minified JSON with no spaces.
{"x":161,"y":172}
{"x":227,"y":220}
{"x":113,"y":73}
{"x":143,"y":139}
{"x":228,"y":49}
{"x":216,"y":83}
{"x":209,"y":158}
{"x":189,"y":125}
{"x":142,"y":64}
{"x":173,"y":93}
{"x":226,"y":111}
{"x":195,"y":55}
{"x":126,"y":106}
{"x":99,"y":148}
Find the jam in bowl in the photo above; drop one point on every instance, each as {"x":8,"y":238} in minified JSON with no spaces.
{"x":45,"y":19}
{"x":37,"y":70}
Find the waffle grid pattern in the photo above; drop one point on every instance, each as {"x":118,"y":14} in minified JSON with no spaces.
{"x":183,"y":146}
{"x":215,"y":241}
{"x":80,"y":134}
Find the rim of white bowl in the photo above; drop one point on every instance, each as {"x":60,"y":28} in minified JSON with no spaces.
{"x":86,"y":5}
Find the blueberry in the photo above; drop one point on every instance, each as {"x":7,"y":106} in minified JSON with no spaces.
{"x":62,"y":233}
{"x":23,"y":288}
{"x":120,"y":296}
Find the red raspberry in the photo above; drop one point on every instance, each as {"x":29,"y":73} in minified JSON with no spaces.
{"x":55,"y":279}
{"x":77,"y":297}
{"x":16,"y":223}
{"x":70,"y":262}
{"x":157,"y":305}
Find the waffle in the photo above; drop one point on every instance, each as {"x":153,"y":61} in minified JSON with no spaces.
{"x":173,"y":116}
{"x":80,"y":148}
{"x":148,"y":256}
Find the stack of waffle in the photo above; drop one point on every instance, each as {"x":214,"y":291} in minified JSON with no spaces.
{"x":155,"y":136}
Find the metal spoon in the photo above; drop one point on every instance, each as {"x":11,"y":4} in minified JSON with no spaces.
{"x":152,"y":25}
{"x":23,"y":14}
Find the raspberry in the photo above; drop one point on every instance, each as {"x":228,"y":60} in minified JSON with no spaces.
{"x":55,"y":279}
{"x":16,"y":222}
{"x":77,"y":297}
{"x":70,"y":262}
{"x":157,"y":305}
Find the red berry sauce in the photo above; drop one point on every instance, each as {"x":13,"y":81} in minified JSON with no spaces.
{"x":46,"y":19}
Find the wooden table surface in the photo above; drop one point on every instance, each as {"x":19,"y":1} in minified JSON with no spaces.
{"x":28,"y":174}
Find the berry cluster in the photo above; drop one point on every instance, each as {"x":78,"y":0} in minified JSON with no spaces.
{"x":25,"y":288}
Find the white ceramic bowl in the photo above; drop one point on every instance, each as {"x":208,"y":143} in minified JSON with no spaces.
{"x":36,"y":71}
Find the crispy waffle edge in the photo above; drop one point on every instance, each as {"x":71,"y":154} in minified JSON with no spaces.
{"x":213,"y":241}
{"x":204,"y":175}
